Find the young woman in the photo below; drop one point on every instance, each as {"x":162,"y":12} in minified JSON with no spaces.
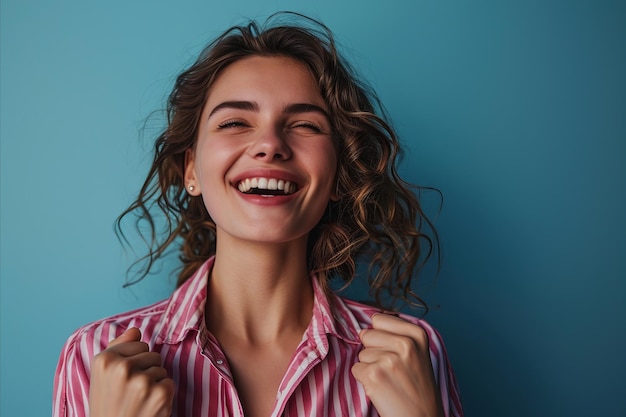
{"x":275,"y":174}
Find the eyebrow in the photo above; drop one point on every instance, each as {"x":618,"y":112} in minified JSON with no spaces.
{"x":305,"y":108}
{"x":252,"y":106}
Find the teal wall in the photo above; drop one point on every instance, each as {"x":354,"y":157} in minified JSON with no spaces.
{"x":516,"y":110}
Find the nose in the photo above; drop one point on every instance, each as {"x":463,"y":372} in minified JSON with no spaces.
{"x":270,"y":145}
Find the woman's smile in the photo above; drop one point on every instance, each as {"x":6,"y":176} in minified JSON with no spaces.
{"x":267,"y":182}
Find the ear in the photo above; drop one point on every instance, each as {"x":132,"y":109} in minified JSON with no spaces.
{"x":191,"y":184}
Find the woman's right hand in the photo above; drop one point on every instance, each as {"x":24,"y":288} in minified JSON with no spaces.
{"x":127,"y":380}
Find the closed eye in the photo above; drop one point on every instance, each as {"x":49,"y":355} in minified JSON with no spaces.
{"x":308,"y":126}
{"x":229,"y":124}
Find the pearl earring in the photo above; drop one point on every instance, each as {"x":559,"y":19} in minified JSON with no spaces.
{"x":191,"y":188}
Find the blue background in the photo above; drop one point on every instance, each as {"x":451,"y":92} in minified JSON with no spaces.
{"x":515,"y":110}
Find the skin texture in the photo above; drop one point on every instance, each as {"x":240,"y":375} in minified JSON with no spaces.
{"x":128,"y":380}
{"x":260,"y":299}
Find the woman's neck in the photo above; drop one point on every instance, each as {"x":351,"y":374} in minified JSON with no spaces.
{"x":259,"y":293}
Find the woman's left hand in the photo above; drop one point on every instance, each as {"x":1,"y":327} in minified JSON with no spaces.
{"x":395,"y":369}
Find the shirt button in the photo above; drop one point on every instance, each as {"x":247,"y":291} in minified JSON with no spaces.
{"x":219,"y":361}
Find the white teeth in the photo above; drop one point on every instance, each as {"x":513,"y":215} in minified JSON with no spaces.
{"x":266,"y":184}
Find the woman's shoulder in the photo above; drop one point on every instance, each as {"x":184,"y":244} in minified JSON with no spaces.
{"x":93,"y":337}
{"x":363,"y":312}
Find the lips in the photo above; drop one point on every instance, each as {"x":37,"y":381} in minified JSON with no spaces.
{"x":267,"y":186}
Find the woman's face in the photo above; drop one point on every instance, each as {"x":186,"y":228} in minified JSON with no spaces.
{"x":264,"y":161}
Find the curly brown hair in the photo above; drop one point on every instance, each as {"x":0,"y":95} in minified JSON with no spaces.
{"x":377,"y":215}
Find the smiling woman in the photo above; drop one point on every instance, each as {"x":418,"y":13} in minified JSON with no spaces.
{"x":277,"y":173}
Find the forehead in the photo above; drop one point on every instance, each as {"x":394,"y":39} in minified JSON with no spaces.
{"x":263,"y":77}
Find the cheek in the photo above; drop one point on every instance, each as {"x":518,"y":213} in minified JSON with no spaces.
{"x":212,"y":160}
{"x":211,"y":207}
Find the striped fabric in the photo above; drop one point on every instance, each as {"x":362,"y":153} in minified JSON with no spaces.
{"x":318,"y":381}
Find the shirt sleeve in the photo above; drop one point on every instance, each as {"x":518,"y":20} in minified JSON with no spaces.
{"x":71,"y":380}
{"x":444,"y":374}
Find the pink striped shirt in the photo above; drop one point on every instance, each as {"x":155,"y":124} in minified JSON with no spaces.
{"x":318,"y":381}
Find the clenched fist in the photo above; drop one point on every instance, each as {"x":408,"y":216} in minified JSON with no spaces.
{"x":127,"y":380}
{"x":395,"y":369}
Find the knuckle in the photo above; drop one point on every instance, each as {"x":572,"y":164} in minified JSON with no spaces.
{"x":160,"y":374}
{"x":391,"y":363}
{"x":120,"y":369}
{"x":155,"y":357}
{"x":163,"y":392}
{"x":405,"y":346}
{"x":104,"y":357}
{"x":99,"y":362}
{"x":140,"y":385}
{"x":106,"y":362}
{"x":420,"y":336}
{"x":375,"y":375}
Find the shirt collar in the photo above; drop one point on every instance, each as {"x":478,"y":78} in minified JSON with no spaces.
{"x":185,"y":312}
{"x":185,"y":308}
{"x":331,"y":316}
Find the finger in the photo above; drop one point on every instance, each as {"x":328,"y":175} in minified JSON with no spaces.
{"x":162,"y":397}
{"x":372,"y":355}
{"x":397,"y":325}
{"x":358,"y":371}
{"x":392,"y":324}
{"x":374,"y":338}
{"x":131,"y":335}
{"x":374,"y":378}
{"x":145,"y":360}
{"x":129,"y":349}
{"x":156,"y":373}
{"x":405,"y":347}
